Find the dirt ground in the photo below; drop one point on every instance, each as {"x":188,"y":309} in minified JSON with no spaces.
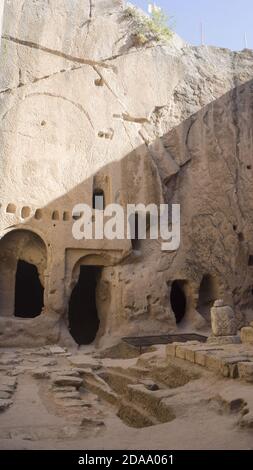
{"x":51,"y":398}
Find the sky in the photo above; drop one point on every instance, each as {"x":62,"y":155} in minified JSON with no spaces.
{"x":225,"y":21}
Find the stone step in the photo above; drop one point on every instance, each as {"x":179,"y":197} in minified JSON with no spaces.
{"x":68,"y":395}
{"x":134,"y":416}
{"x":5,"y":404}
{"x":83,"y":361}
{"x":117,"y":380}
{"x":151,"y":402}
{"x":71,"y":403}
{"x":9,"y":381}
{"x":68,"y":389}
{"x":40,"y":373}
{"x":245,"y":370}
{"x":5,"y":395}
{"x":97,"y":385}
{"x":63,"y":380}
{"x":67,"y":372}
{"x":133,"y":372}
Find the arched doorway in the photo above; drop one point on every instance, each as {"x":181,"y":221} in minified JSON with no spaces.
{"x":83,"y":314}
{"x":208,"y":293}
{"x":178,"y":300}
{"x":29,"y":293}
{"x":23,"y":261}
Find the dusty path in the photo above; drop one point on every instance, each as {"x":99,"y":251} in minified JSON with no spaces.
{"x":50,"y":410}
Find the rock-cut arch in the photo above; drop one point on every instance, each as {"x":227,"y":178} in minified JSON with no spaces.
{"x":23,"y":262}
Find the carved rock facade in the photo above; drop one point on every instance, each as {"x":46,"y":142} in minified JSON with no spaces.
{"x":84,"y":110}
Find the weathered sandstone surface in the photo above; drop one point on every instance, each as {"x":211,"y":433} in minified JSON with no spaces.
{"x":83,"y":108}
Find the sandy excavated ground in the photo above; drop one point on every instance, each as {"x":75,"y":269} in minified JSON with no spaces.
{"x":52,"y":398}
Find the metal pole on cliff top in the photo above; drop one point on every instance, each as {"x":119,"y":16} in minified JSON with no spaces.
{"x":246,"y":40}
{"x":202,"y":34}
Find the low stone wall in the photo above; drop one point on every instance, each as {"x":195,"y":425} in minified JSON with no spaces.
{"x":230,"y":360}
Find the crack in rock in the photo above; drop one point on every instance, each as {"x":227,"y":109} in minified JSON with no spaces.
{"x":38,"y":79}
{"x":48,"y":50}
{"x":91,"y":9}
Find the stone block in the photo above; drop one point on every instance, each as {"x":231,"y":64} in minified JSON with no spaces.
{"x":72,"y":403}
{"x":201,"y":352}
{"x":191,"y":349}
{"x":245,"y":370}
{"x":180,"y":352}
{"x":229,"y":368}
{"x":68,"y":395}
{"x":200,"y":358}
{"x":246,"y":421}
{"x":247,"y":335}
{"x":83,"y":361}
{"x":223,"y":320}
{"x":190,"y":355}
{"x":213,"y":362}
{"x":4,"y":395}
{"x":5,"y":403}
{"x":9,"y":381}
{"x":67,"y":381}
{"x":171,"y":350}
{"x":41,"y":373}
{"x":221,"y":340}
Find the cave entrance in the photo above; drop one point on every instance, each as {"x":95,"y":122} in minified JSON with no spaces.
{"x":83,"y":315}
{"x":29,"y":292}
{"x":134,"y":223}
{"x":178,"y":300}
{"x":208,"y":293}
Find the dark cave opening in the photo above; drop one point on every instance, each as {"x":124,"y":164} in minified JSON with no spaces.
{"x":29,"y":293}
{"x":83,"y":315}
{"x":208,"y":293}
{"x":134,"y":230}
{"x":178,"y":300}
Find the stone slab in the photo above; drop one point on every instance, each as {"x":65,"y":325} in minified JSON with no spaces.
{"x":5,"y":404}
{"x":67,"y":381}
{"x":220,"y":340}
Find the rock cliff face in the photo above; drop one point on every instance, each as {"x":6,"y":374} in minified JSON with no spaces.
{"x":83,"y":106}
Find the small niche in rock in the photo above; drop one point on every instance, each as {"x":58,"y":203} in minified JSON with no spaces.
{"x":99,"y":82}
{"x":38,"y":214}
{"x":66,"y":216}
{"x":25,"y":212}
{"x":11,"y":209}
{"x":55,"y":215}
